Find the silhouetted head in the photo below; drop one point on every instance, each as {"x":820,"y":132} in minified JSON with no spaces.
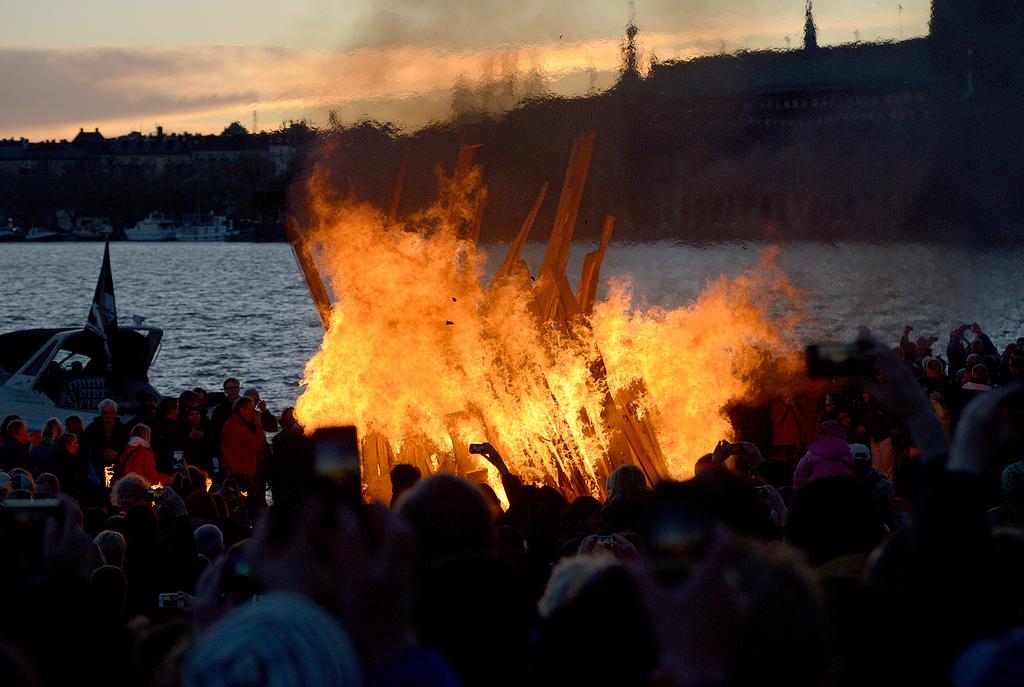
{"x":403,"y":477}
{"x":142,"y":432}
{"x":209,"y":541}
{"x":705,"y":463}
{"x":979,"y":374}
{"x":110,"y":589}
{"x":232,"y":388}
{"x":129,"y":491}
{"x":47,"y":486}
{"x":112,"y":547}
{"x":8,"y":419}
{"x":74,"y":424}
{"x":185,"y":399}
{"x":448,"y":517}
{"x":51,"y":431}
{"x":626,"y":482}
{"x":108,"y":413}
{"x":17,"y":431}
{"x":582,"y":516}
{"x":287,"y":419}
{"x":168,"y":408}
{"x":592,"y":602}
{"x":193,"y":415}
{"x":246,"y":408}
{"x":833,"y":517}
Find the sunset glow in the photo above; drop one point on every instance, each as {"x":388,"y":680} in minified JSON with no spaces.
{"x":112,"y":82}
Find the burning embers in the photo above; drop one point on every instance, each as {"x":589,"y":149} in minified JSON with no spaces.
{"x":425,"y":359}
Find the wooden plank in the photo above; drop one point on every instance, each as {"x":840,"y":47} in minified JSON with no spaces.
{"x":512,"y":260}
{"x":314,"y":283}
{"x":641,"y":435}
{"x":377,"y":459}
{"x":570,"y":307}
{"x":558,"y":228}
{"x":591,"y":277}
{"x":557,"y":255}
{"x":416,"y":450}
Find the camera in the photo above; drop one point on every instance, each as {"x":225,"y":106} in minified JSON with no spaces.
{"x":171,"y":600}
{"x":838,"y":360}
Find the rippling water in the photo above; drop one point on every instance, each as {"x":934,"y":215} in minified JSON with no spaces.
{"x":242,"y":309}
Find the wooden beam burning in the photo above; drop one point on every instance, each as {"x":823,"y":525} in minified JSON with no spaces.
{"x":591,"y":276}
{"x":512,"y":258}
{"x":315,"y":284}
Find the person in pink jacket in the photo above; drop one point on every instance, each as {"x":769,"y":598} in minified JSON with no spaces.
{"x":827,"y":456}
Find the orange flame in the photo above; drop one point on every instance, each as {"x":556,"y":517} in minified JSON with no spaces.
{"x":425,"y":360}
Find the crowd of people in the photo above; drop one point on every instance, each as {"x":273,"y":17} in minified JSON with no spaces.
{"x":199,"y":544}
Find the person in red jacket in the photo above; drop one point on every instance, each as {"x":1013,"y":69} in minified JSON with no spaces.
{"x":138,"y":457}
{"x":242,"y":442}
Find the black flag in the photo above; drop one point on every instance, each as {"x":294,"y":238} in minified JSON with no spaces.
{"x":103,"y":312}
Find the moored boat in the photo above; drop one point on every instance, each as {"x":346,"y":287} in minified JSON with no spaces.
{"x":63,"y":371}
{"x":44,"y":234}
{"x":155,"y":227}
{"x":216,"y":228}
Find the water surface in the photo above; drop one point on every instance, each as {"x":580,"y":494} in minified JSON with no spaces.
{"x":242,"y":309}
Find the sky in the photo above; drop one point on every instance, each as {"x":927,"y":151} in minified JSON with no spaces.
{"x":197,"y":65}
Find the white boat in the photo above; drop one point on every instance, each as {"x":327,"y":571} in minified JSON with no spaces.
{"x":156,"y":227}
{"x":44,"y":234}
{"x":217,"y":228}
{"x":59,"y":372}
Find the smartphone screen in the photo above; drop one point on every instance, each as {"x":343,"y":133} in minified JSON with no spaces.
{"x":336,"y":460}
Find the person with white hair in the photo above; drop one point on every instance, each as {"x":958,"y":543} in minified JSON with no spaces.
{"x":105,"y":437}
{"x":209,"y":541}
{"x":285,"y":640}
{"x":129,"y":491}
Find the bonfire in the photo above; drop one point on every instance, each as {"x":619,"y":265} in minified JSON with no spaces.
{"x":426,"y":356}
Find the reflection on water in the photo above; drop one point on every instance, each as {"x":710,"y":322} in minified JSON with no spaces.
{"x":242,"y":309}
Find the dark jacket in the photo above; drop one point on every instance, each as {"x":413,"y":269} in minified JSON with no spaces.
{"x":97,"y":441}
{"x":15,"y":455}
{"x":166,"y":440}
{"x":199,"y":451}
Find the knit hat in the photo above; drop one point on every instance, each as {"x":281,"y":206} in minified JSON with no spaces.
{"x":860,"y":451}
{"x":831,"y":428}
{"x":282,"y":639}
{"x":22,"y":481}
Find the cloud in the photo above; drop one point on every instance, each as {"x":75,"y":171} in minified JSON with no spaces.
{"x":400,"y":73}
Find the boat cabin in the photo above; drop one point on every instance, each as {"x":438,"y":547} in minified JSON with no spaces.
{"x":58,"y":372}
